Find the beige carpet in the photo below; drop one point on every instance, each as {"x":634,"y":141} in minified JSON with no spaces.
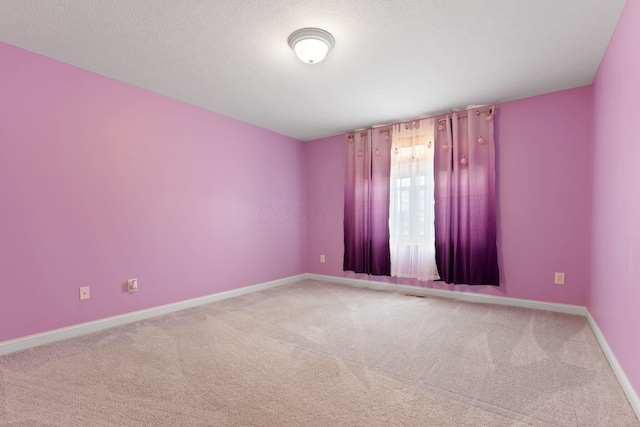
{"x":319,"y":354}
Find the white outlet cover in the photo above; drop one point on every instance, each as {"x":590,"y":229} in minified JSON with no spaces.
{"x":84,"y":292}
{"x":132,"y":285}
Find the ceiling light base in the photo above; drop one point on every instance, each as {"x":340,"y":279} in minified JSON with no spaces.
{"x":311,"y":45}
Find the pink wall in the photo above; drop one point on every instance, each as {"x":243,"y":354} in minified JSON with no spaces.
{"x":101,"y":182}
{"x":543,"y":146}
{"x":613,"y":297}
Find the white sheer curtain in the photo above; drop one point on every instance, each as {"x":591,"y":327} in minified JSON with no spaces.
{"x":411,"y":213}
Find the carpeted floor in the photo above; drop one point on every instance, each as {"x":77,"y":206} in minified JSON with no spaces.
{"x":319,"y":354}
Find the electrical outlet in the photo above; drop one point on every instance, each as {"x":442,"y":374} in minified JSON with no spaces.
{"x":559,"y":278}
{"x":322,"y":258}
{"x":84,"y":292}
{"x":132,"y":284}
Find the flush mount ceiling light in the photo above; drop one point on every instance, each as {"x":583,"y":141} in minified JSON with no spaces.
{"x":311,"y":45}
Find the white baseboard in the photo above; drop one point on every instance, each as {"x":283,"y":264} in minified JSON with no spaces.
{"x":109,"y":322}
{"x":615,"y":366}
{"x":463,"y":296}
{"x":515,"y":302}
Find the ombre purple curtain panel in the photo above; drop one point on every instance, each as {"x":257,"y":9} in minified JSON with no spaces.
{"x":465,"y":198}
{"x":366,"y":203}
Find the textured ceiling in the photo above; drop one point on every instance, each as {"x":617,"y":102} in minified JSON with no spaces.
{"x":393,"y":60}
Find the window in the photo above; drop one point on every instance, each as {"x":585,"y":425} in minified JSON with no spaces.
{"x":411,"y":205}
